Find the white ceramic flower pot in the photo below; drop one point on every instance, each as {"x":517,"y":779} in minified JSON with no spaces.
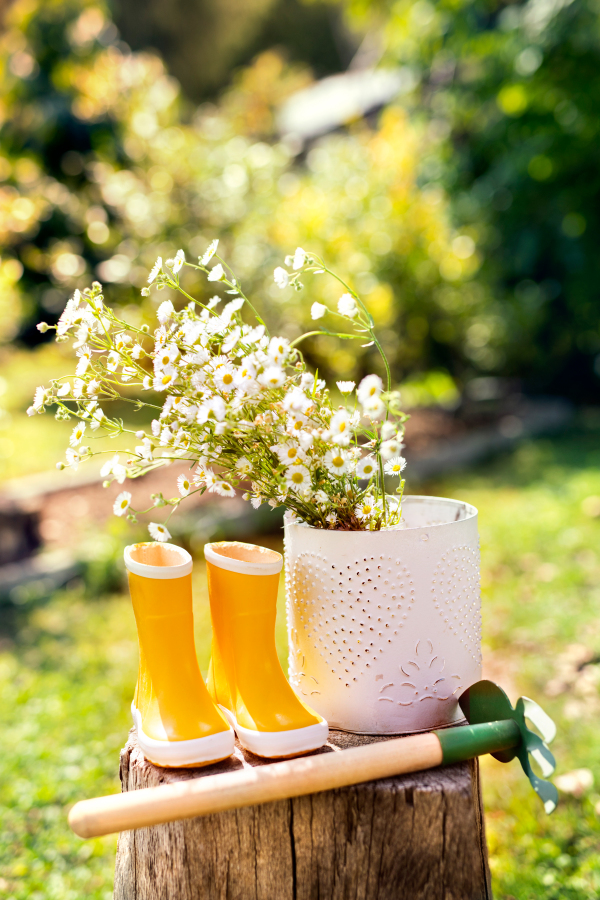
{"x":385,"y":627}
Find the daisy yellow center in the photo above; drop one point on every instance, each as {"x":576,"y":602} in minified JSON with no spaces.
{"x":227,"y":378}
{"x":297,"y":477}
{"x":166,"y":379}
{"x":186,"y":485}
{"x":367,"y":470}
{"x":367,"y":509}
{"x":338,"y":462}
{"x":291,"y":452}
{"x":123,"y":504}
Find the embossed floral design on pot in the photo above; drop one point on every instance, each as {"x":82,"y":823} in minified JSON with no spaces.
{"x":362,"y":605}
{"x":425,"y":678}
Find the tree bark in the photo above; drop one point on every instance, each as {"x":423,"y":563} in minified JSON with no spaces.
{"x":413,"y":837}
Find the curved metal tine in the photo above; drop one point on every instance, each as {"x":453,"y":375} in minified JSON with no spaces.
{"x":539,"y":719}
{"x":545,"y":790}
{"x":540,"y":753}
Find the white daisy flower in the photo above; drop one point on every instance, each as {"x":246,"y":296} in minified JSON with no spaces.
{"x":165,"y":311}
{"x":317,"y":311}
{"x":158,"y":532}
{"x":93,"y":388}
{"x":347,"y":306}
{"x":178,"y":261}
{"x":208,"y":253}
{"x":370,"y":386}
{"x":137,"y":351}
{"x":78,"y":388}
{"x":279,"y":350}
{"x":127,"y":373}
{"x":321,"y":498}
{"x":225,"y":378}
{"x":85,"y":357}
{"x":367,"y":467}
{"x":331,"y":519}
{"x":288,"y":453}
{"x":231,"y":340}
{"x":395,"y":465}
{"x":183,"y":485}
{"x":113,"y":361}
{"x":256,"y":501}
{"x":147,"y":383}
{"x":211,"y":409}
{"x":388,"y":430}
{"x":145,"y":450}
{"x":243,"y":466}
{"x":122,"y":503}
{"x":340,"y":428}
{"x":165,"y":356}
{"x":64,"y":389}
{"x":272,"y":377}
{"x":299,"y":258}
{"x":345,"y":387}
{"x":73,"y":458}
{"x":391,"y":448}
{"x":155,"y":270}
{"x":336,"y":461}
{"x":223,"y":489}
{"x":374,"y":408}
{"x":39,"y":398}
{"x":217,"y":273}
{"x":366,"y":509}
{"x":77,"y":434}
{"x":165,"y":379}
{"x":114,"y":467}
{"x":281,"y":277}
{"x":298,"y":478}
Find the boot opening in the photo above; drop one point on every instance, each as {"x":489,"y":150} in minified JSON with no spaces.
{"x":250,"y":553}
{"x":155,"y":554}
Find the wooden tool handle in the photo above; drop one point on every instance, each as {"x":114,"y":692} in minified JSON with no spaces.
{"x":215,"y":793}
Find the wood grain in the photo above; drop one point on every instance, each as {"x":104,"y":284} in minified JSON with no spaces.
{"x":411,"y":837}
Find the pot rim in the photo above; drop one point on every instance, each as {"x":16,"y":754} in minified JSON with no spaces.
{"x":469,"y":510}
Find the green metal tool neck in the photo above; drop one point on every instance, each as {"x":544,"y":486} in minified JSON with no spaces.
{"x":468,"y":741}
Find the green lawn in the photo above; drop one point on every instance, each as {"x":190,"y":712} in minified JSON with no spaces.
{"x":67,"y":671}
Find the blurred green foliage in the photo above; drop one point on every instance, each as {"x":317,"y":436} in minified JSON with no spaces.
{"x":512,"y":89}
{"x":67,"y":671}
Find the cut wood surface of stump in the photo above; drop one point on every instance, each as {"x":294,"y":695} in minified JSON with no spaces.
{"x":412,"y":837}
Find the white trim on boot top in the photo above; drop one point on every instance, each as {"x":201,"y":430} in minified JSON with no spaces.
{"x":172,"y":754}
{"x":279,"y":744}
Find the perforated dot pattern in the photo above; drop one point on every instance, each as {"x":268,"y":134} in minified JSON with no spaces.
{"x":455,"y":593}
{"x":350,"y":613}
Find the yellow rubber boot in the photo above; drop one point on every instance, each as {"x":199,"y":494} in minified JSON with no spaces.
{"x":176,"y":721}
{"x":245,"y":677}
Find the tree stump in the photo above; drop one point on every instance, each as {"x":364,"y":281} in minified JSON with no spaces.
{"x":412,"y":837}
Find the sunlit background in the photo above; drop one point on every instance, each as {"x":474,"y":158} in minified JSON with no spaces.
{"x":443,"y":157}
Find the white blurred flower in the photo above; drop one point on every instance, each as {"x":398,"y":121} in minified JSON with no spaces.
{"x":336,"y":461}
{"x":279,"y":350}
{"x":299,"y":258}
{"x":64,"y":389}
{"x":272,"y":377}
{"x":288,"y":453}
{"x":165,"y":311}
{"x":256,"y":501}
{"x":147,"y":383}
{"x":388,"y":430}
{"x":367,"y":467}
{"x":223,"y":489}
{"x":243,"y":466}
{"x":391,"y":448}
{"x":73,"y":458}
{"x":340,"y":428}
{"x":178,"y":261}
{"x":77,"y":434}
{"x":281,"y":277}
{"x":374,"y":407}
{"x":321,"y":498}
{"x":114,"y":467}
{"x":208,"y":253}
{"x":345,"y":387}
{"x":166,"y":355}
{"x":577,"y":782}
{"x":317,"y":311}
{"x":395,"y":465}
{"x":93,"y":388}
{"x":158,"y":532}
{"x":331,"y":519}
{"x":217,"y":273}
{"x":39,"y":398}
{"x":122,"y":503}
{"x":213,"y":408}
{"x":85,"y":357}
{"x":225,"y":378}
{"x":183,"y":485}
{"x":155,"y":270}
{"x":370,"y":386}
{"x":347,"y":306}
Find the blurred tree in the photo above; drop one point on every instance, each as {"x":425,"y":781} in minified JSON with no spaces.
{"x":515,"y":87}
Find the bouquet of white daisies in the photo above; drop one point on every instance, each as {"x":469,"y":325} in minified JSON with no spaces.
{"x":237,"y":404}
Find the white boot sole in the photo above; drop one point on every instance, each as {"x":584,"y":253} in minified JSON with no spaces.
{"x":279,"y":744}
{"x":175,"y":754}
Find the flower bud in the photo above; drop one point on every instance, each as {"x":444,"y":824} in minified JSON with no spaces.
{"x":42,"y":327}
{"x":60,"y":466}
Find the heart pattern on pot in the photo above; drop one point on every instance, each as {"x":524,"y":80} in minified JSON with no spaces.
{"x":351,"y":612}
{"x":456,"y":595}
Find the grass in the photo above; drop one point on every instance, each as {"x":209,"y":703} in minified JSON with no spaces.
{"x":67,"y":670}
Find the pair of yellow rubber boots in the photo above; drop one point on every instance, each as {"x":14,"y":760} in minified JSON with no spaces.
{"x":178,"y":720}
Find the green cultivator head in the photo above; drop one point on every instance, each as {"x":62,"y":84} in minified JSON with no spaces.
{"x":492,"y":720}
